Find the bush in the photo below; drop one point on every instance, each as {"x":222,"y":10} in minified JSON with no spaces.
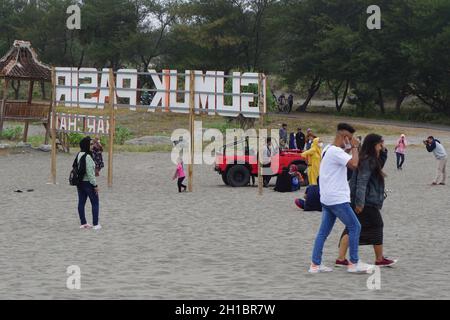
{"x":12,"y":133}
{"x":75,"y":138}
{"x":122,"y":134}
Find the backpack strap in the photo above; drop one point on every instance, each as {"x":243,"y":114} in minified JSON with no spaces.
{"x":75,"y":161}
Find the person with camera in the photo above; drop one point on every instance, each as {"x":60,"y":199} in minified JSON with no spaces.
{"x":435,"y":146}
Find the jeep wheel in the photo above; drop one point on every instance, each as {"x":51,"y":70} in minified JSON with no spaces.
{"x":238,"y":176}
{"x":224,"y":179}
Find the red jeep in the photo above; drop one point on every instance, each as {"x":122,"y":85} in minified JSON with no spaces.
{"x":236,"y":170}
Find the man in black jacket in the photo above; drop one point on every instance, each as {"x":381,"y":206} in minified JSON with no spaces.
{"x":300,"y":139}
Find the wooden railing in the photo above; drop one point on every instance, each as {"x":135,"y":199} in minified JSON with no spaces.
{"x":24,"y":111}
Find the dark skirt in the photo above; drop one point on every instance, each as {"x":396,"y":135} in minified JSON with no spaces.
{"x":371,"y":227}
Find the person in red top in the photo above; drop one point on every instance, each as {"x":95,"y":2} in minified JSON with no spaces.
{"x":179,"y":173}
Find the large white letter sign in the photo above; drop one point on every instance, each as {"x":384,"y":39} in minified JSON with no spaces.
{"x":104,"y":92}
{"x":247,"y":98}
{"x":64,"y":75}
{"x":122,"y":76}
{"x":206,"y":85}
{"x":222,"y":109}
{"x":160,"y":95}
{"x":91,"y":75}
{"x":179,"y":107}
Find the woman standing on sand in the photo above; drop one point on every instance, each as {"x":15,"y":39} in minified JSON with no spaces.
{"x":88,"y":187}
{"x":314,"y":155}
{"x":367,"y":197}
{"x":400,"y":151}
{"x":97,"y":150}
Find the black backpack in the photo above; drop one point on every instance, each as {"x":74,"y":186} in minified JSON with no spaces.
{"x":77,"y":174}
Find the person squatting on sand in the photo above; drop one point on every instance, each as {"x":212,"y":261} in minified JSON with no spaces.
{"x":314,"y":156}
{"x":335,"y":199}
{"x":400,"y":151}
{"x":311,"y":201}
{"x":88,"y":187}
{"x":367,"y":192}
{"x":179,"y":173}
{"x":435,"y":146}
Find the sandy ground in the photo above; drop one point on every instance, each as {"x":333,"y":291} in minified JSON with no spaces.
{"x":216,"y":243}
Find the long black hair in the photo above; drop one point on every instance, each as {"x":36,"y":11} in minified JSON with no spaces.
{"x":85,"y":145}
{"x":368,"y":152}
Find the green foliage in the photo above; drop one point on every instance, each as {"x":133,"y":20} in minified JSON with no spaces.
{"x":122,"y":134}
{"x":74,"y":139}
{"x":12,"y":134}
{"x":321,"y":43}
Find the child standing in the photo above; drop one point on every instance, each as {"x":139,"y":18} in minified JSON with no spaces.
{"x":97,"y":150}
{"x":179,"y":173}
{"x":400,"y":151}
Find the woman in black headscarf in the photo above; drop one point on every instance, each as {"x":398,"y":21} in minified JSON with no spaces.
{"x":88,"y":187}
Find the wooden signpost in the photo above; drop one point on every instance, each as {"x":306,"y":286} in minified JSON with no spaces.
{"x":204,"y":93}
{"x":112,"y":126}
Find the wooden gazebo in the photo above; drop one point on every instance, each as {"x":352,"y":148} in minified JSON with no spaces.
{"x":21,"y":63}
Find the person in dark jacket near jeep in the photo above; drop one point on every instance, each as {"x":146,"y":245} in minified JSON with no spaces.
{"x":367,"y":192}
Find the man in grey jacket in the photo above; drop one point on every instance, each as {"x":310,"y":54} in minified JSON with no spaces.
{"x":435,"y":146}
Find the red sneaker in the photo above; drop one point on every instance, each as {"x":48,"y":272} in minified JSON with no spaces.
{"x":385,"y":262}
{"x":299,"y":203}
{"x":341,"y":263}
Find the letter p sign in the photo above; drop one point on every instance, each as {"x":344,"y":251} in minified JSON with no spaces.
{"x":74,"y":21}
{"x":74,"y":280}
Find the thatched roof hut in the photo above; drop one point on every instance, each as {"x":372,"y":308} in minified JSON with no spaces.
{"x":21,"y":63}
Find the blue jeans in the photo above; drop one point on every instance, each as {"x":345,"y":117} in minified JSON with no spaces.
{"x":86,"y":190}
{"x":345,"y":213}
{"x":400,"y":160}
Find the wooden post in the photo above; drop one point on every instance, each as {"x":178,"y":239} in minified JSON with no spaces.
{"x":3,"y":103}
{"x":261,"y":104}
{"x":191,"y":130}
{"x":48,"y":128}
{"x":25,"y":131}
{"x":30,"y":92}
{"x":112,"y":126}
{"x":30,"y":99}
{"x":53,"y":126}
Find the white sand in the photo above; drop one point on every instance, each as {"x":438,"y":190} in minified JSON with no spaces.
{"x":217,"y":243}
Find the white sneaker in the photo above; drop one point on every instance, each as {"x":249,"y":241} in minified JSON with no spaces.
{"x":86,"y":226}
{"x":97,"y":227}
{"x":360,"y":267}
{"x":319,"y":269}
